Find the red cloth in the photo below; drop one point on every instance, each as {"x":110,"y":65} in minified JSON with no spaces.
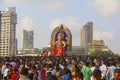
{"x":54,"y":51}
{"x":14,"y":75}
{"x":43,"y":75}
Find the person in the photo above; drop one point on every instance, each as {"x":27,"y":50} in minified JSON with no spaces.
{"x":65,"y":70}
{"x":3,"y":69}
{"x":22,"y":65}
{"x":14,"y":75}
{"x":36,"y":74}
{"x":116,"y":74}
{"x":57,"y":71}
{"x":50,"y":76}
{"x":75,"y":71}
{"x":24,"y":74}
{"x":43,"y":73}
{"x":96,"y":74}
{"x":100,"y":65}
{"x":118,"y":64}
{"x":31,"y":76}
{"x":97,"y":62}
{"x":110,"y":71}
{"x":86,"y":71}
{"x":6,"y":70}
{"x":8,"y":77}
{"x":66,"y":76}
{"x":50,"y":69}
{"x":92,"y":66}
{"x":103,"y":69}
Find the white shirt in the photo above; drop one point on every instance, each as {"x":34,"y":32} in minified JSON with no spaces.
{"x":3,"y":68}
{"x":52,"y":71}
{"x":92,"y":69}
{"x":5,"y":72}
{"x":103,"y":69}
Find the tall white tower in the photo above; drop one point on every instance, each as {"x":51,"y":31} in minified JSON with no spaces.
{"x":8,"y":32}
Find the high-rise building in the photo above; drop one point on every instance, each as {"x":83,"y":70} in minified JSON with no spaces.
{"x":28,"y":44}
{"x":28,"y":39}
{"x":16,"y":45}
{"x":87,"y":35}
{"x":8,"y":21}
{"x":0,"y":25}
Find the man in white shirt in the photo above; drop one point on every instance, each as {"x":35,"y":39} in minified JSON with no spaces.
{"x":6,"y":70}
{"x":103,"y":69}
{"x":3,"y":68}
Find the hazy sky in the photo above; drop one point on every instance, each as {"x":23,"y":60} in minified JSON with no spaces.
{"x":43,"y":16}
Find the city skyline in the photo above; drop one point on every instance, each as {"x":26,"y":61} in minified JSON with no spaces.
{"x":43,"y":16}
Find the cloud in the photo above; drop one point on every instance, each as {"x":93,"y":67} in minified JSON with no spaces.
{"x":72,"y":23}
{"x":109,"y":38}
{"x":27,"y":23}
{"x":106,"y":8}
{"x":103,"y":35}
{"x":50,"y":6}
{"x":16,"y":1}
{"x":45,"y":5}
{"x":55,"y":23}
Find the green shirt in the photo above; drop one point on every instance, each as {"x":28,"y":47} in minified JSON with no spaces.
{"x":86,"y":73}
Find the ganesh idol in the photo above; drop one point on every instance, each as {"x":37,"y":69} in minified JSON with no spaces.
{"x":59,"y":46}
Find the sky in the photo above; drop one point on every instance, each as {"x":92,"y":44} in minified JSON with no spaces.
{"x":42,"y":16}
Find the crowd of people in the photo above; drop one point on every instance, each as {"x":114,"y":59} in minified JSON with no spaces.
{"x":59,"y":68}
